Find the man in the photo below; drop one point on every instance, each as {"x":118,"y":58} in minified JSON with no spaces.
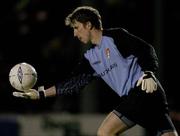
{"x":127,"y":64}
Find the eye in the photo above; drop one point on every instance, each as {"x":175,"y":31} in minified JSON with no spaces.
{"x":76,"y":27}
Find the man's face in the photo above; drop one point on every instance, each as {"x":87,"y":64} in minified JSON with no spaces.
{"x":81,"y":31}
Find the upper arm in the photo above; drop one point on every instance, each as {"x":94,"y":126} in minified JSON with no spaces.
{"x":129,"y":44}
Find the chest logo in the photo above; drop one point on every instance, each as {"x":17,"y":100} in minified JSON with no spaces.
{"x":107,"y":52}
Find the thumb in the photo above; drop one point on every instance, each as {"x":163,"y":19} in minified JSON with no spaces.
{"x":139,"y":82}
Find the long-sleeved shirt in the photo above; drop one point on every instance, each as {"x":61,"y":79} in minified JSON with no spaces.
{"x":119,"y":60}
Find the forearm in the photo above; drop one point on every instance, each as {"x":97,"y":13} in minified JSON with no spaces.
{"x":68,"y":87}
{"x":74,"y":84}
{"x":130,"y":44}
{"x":80,"y":76}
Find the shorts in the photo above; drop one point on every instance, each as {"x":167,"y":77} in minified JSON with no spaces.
{"x":149,"y":110}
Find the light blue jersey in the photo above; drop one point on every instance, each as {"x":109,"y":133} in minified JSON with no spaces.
{"x":118,"y":72}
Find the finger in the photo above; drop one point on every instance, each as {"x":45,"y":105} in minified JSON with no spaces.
{"x":21,"y":95}
{"x":152,"y":86}
{"x":18,"y":94}
{"x":29,"y":90}
{"x":143,"y":85}
{"x":25,"y":95}
{"x":149,"y":89}
{"x":155,"y":87}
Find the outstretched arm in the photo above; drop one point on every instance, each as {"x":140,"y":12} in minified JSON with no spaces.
{"x":79,"y":78}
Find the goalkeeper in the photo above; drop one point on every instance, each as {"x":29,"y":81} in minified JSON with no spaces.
{"x":127,"y":64}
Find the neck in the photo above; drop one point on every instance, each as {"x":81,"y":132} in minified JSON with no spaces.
{"x":96,"y":36}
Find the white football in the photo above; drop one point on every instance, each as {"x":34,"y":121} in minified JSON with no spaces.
{"x":23,"y":76}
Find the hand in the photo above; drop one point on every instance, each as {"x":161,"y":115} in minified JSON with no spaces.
{"x":32,"y":94}
{"x":148,"y":82}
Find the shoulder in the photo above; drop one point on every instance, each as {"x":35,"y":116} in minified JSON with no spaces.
{"x":113,"y":31}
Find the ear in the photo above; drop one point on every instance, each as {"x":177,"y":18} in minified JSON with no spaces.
{"x":89,"y":25}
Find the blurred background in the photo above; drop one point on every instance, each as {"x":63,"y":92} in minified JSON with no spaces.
{"x":33,"y":31}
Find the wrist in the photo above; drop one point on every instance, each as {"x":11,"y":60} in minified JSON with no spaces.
{"x":42,"y":94}
{"x":149,"y":74}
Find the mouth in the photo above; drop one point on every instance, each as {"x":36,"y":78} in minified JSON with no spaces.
{"x":80,"y":39}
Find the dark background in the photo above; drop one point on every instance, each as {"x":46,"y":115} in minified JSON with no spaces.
{"x":33,"y":31}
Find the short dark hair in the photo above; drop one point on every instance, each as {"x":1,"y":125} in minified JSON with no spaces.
{"x":84,"y":14}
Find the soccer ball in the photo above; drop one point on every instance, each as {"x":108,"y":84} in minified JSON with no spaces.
{"x":23,"y":76}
